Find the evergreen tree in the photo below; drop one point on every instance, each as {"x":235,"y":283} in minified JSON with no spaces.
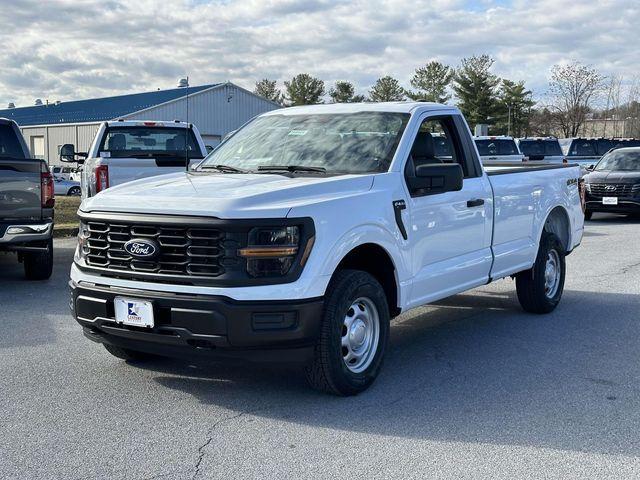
{"x":476,"y":89}
{"x":303,"y":89}
{"x":431,"y":83}
{"x":386,"y":89}
{"x":268,"y":89}
{"x":515,"y":108}
{"x":344,"y":92}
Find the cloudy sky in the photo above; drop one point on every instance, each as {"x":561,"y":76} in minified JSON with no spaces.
{"x":74,"y":49}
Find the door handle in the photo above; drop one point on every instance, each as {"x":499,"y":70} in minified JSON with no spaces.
{"x":476,"y":202}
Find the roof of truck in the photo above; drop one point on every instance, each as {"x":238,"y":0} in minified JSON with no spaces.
{"x":392,"y":107}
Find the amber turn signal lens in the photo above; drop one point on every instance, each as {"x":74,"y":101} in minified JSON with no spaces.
{"x":265,"y":252}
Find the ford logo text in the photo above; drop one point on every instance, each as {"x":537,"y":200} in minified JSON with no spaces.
{"x":141,"y":248}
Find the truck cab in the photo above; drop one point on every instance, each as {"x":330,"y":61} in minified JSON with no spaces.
{"x":123,"y":151}
{"x":541,"y":149}
{"x":502,"y":149}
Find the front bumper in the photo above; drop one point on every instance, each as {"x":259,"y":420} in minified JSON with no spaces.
{"x":191,"y":326}
{"x":625,"y":205}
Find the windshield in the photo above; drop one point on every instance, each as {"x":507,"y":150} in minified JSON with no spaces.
{"x":361,"y":142}
{"x":540,"y":147}
{"x":149,"y":141}
{"x":620,"y":161}
{"x":9,"y":145}
{"x":497,"y":147}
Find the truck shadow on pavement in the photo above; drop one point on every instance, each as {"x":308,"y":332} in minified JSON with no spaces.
{"x":473,"y":368}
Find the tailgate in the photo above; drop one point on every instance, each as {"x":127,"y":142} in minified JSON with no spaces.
{"x":20,"y":189}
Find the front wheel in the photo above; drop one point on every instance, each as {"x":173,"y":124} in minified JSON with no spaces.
{"x":354,"y":333}
{"x":540,"y":288}
{"x":74,"y":192}
{"x":588,"y":214}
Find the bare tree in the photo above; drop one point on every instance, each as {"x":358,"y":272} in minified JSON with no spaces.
{"x":573,"y":87}
{"x":633,"y":109}
{"x":612,"y":110}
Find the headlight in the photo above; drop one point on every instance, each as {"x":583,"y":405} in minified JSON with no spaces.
{"x":587,"y":187}
{"x":271,"y":251}
{"x":83,"y":237}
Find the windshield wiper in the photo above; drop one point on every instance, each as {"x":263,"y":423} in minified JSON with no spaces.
{"x":290,"y":168}
{"x":223,"y":168}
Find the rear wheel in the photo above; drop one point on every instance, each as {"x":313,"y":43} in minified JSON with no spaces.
{"x":38,"y":265}
{"x":74,"y":191}
{"x":354,"y":333}
{"x":540,"y":288}
{"x":126,"y":354}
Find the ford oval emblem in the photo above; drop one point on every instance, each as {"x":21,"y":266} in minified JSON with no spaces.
{"x":142,"y":248}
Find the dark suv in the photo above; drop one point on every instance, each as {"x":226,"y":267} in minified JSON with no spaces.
{"x":613,"y":185}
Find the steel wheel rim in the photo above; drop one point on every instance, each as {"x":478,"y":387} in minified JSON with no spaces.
{"x":360,"y":334}
{"x":552,"y":274}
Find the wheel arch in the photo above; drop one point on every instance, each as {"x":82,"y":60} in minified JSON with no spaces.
{"x":382,"y":269}
{"x":558,"y":223}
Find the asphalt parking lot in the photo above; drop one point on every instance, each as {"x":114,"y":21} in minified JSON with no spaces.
{"x":472,"y":387}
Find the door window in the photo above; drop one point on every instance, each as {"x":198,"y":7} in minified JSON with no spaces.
{"x":437,"y":142}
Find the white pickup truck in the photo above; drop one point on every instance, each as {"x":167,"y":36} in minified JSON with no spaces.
{"x":304,"y":233}
{"x":498,"y":149}
{"x":129,"y":150}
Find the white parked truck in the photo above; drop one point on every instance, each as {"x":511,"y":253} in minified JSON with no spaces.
{"x":129,"y":150}
{"x":303,"y":234}
{"x":498,"y":149}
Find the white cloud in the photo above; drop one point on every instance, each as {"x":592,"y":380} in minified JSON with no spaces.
{"x":69,"y":49}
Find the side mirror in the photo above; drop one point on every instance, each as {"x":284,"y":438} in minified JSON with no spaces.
{"x":436,"y":178}
{"x":209,"y":148}
{"x":68,"y":154}
{"x":591,"y":168}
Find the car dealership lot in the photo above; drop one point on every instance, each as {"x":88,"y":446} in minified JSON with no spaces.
{"x":472,"y":387}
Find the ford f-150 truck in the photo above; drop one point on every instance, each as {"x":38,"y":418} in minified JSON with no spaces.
{"x":125,"y":150}
{"x":307,"y":230}
{"x":26,"y":204}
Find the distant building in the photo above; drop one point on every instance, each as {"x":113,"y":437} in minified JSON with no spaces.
{"x":215,"y":110}
{"x":610,"y":127}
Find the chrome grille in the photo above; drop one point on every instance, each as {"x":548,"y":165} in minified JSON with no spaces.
{"x":614,"y":189}
{"x":183,"y":250}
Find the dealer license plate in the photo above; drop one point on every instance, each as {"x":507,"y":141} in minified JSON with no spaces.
{"x":129,"y":311}
{"x":609,"y":200}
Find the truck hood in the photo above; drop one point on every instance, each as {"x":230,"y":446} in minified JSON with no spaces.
{"x":613,"y":176}
{"x":224,"y":195}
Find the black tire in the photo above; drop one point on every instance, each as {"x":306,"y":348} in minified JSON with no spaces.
{"x":38,"y":265}
{"x":74,"y":192}
{"x":531,"y":284}
{"x":588,"y":214}
{"x":129,"y":355}
{"x":328,"y":371}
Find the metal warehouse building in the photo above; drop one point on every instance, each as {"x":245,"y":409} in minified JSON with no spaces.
{"x":214,"y":109}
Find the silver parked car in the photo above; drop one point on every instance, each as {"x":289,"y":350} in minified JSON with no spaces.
{"x":66,"y":187}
